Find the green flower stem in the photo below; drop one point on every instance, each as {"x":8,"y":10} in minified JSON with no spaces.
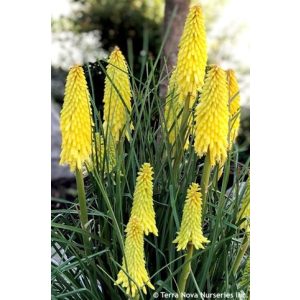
{"x":204,"y":183}
{"x":241,"y":253}
{"x":190,"y":248}
{"x":185,"y":270}
{"x":84,"y":221}
{"x":82,"y":210}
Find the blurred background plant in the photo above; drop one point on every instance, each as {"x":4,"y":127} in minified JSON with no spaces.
{"x":86,"y":30}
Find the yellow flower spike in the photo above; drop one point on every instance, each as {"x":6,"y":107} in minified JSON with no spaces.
{"x":234,"y":105}
{"x":187,"y":79}
{"x":192,"y":54}
{"x":244,"y":212}
{"x":116,"y":114}
{"x":76,"y":121}
{"x":105,"y":154}
{"x":135,"y":260}
{"x":212,"y":117}
{"x":190,"y":228}
{"x":143,"y":200}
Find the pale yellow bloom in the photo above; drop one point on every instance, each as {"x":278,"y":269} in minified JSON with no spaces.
{"x":143,"y":200}
{"x":192,"y":54}
{"x":212,"y":117}
{"x":135,"y":260}
{"x":76,"y":121}
{"x":244,"y":212}
{"x":103,"y":154}
{"x":190,"y":228}
{"x":187,"y":79}
{"x":116,"y":111}
{"x":234,"y":105}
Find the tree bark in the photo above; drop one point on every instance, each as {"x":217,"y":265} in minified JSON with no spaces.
{"x":171,"y":46}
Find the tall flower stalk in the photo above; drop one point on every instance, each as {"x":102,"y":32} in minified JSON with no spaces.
{"x":211,"y":128}
{"x":188,"y":76}
{"x":190,"y":235}
{"x":142,"y":221}
{"x":117,"y":97}
{"x":76,"y":128}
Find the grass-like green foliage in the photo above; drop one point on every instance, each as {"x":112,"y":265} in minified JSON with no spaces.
{"x":90,"y":273}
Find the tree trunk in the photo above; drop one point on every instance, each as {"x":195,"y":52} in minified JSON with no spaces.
{"x":171,"y":46}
